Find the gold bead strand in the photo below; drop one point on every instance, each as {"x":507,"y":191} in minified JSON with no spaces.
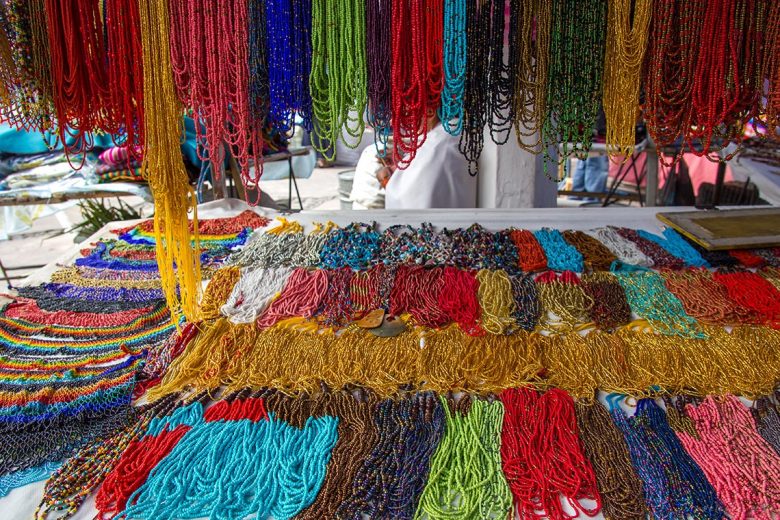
{"x":163,"y":167}
{"x":626,"y":45}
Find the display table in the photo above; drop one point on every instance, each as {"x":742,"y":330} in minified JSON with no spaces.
{"x":21,"y":502}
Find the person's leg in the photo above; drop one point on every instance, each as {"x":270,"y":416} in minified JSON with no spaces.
{"x":596,"y":173}
{"x":578,"y":177}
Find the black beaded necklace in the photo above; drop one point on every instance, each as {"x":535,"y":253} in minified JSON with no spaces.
{"x":475,"y":98}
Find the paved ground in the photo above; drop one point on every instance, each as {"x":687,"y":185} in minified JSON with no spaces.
{"x":320,"y":191}
{"x":47,"y":239}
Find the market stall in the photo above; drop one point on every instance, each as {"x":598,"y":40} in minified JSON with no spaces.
{"x":634,"y":310}
{"x":231,"y":362}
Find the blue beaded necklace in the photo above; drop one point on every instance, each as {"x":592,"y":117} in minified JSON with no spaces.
{"x":451,"y":109}
{"x":288,"y":28}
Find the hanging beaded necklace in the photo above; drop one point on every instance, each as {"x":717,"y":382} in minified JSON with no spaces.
{"x":434,"y":36}
{"x":671,"y":57}
{"x":454,"y":66}
{"x":214,"y":84}
{"x":475,"y":95}
{"x":259,"y":84}
{"x":289,"y":53}
{"x":338,"y":73}
{"x":409,"y":80}
{"x":574,"y":79}
{"x":27,"y":75}
{"x":125,"y":76}
{"x":728,"y":82}
{"x":78,"y":71}
{"x":502,"y":69}
{"x":771,"y":67}
{"x":627,"y":34}
{"x":178,"y":259}
{"x":378,"y":63}
{"x":530,"y":91}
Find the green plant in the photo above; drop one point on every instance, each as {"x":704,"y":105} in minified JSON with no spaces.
{"x":95,"y":214}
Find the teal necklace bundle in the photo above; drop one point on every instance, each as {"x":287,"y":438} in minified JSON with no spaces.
{"x":271,"y":454}
{"x":454,"y":64}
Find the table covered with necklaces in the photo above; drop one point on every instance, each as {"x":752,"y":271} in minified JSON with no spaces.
{"x":438,"y":364}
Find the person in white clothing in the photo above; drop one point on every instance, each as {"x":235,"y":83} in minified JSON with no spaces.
{"x":367,"y":191}
{"x":438,"y":176}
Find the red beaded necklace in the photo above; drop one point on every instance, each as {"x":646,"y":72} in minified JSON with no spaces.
{"x":675,"y":30}
{"x":409,"y":80}
{"x":771,"y":67}
{"x":434,"y":42}
{"x":209,"y":56}
{"x":78,"y":71}
{"x":727,"y":81}
{"x":125,"y":74}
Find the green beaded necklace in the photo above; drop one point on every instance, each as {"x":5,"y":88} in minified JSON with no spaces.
{"x":338,"y":72}
{"x":574,"y":85}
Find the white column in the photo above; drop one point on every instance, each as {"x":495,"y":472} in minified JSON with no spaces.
{"x":510,"y":177}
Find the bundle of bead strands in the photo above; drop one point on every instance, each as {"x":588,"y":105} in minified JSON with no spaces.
{"x":743,"y":361}
{"x":338,"y":72}
{"x":542,"y":456}
{"x":361,"y":245}
{"x":143,"y":455}
{"x":70,"y":485}
{"x":557,"y":359}
{"x":410,"y":465}
{"x":409,"y":430}
{"x":164,"y":168}
{"x":294,"y":454}
{"x":460,"y":489}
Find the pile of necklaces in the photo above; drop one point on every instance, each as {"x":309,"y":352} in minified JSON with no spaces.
{"x":75,"y":351}
{"x":401,"y":372}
